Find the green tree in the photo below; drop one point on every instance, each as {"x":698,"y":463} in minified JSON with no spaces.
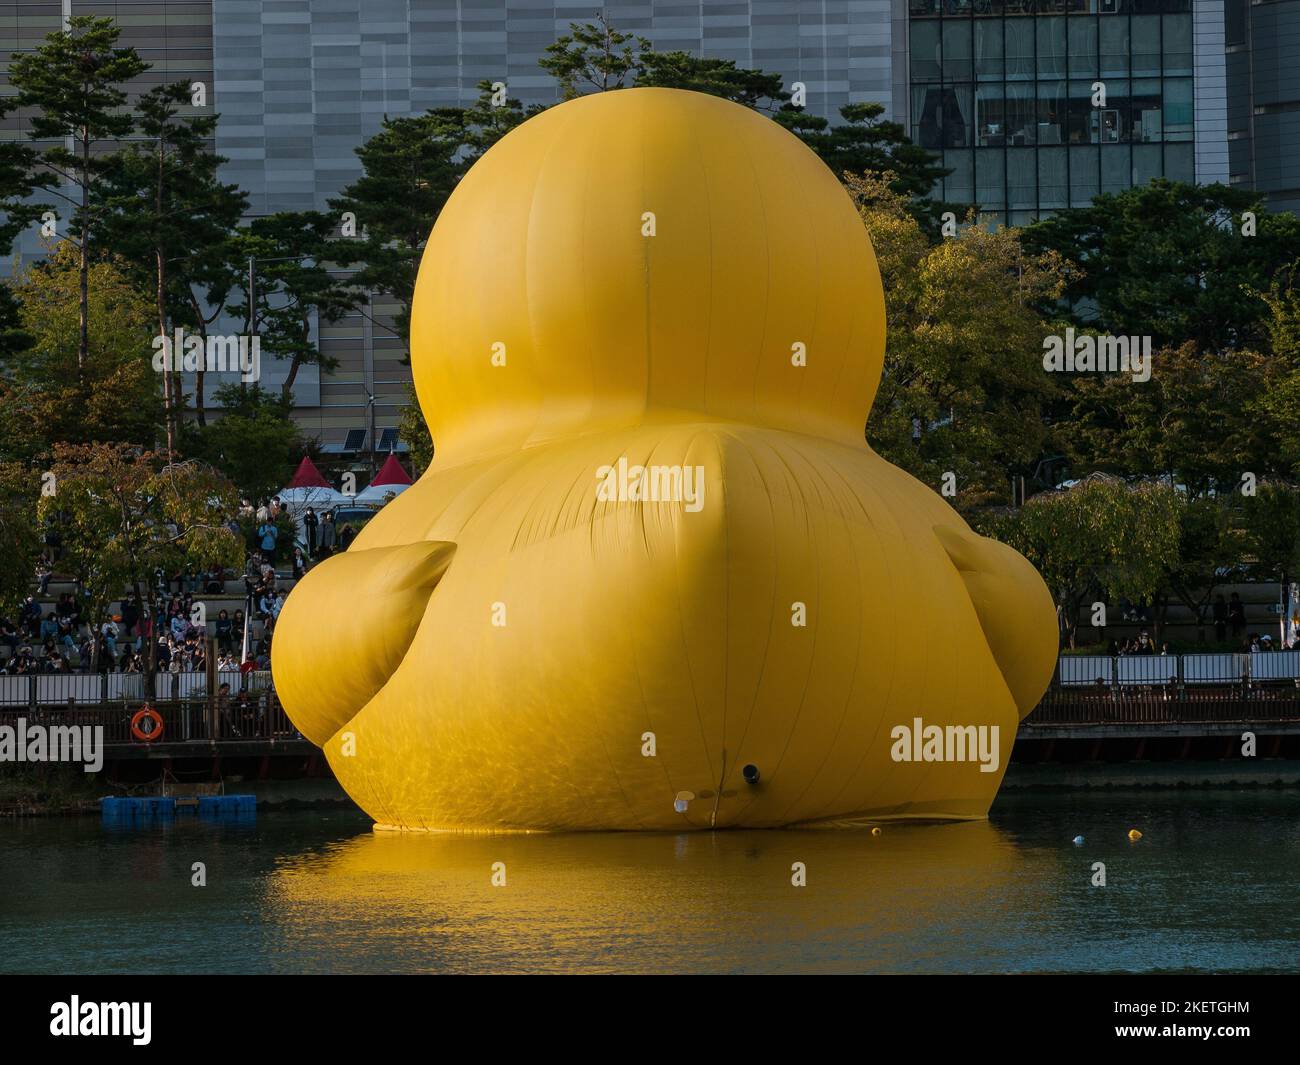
{"x":1101,"y":537}
{"x":13,"y":337}
{"x":74,"y":84}
{"x":125,"y":512}
{"x":20,"y":178}
{"x":253,"y":443}
{"x":1211,"y":547}
{"x":413,"y":429}
{"x":1275,"y":406}
{"x":1170,"y":261}
{"x":293,"y":283}
{"x":20,"y":540}
{"x":756,"y":89}
{"x":1197,"y":420}
{"x":963,"y":389}
{"x":486,"y":120}
{"x":863,"y":144}
{"x":165,"y":211}
{"x":1271,"y":526}
{"x":113,"y":394}
{"x":409,"y":168}
{"x":594,"y":56}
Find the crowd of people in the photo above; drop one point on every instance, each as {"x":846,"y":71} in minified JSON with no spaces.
{"x":64,"y":639}
{"x":1229,"y":617}
{"x":1142,"y":644}
{"x":1137,"y":645}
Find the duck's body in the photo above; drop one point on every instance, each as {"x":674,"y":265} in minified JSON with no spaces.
{"x":516,"y":648}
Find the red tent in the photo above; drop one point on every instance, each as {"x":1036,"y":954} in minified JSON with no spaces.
{"x":391,"y":472}
{"x":308,"y":476}
{"x":390,"y":481}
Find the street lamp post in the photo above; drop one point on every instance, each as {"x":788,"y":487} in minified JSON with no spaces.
{"x":370,"y":409}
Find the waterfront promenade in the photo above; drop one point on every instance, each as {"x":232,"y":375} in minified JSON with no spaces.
{"x":1098,"y":708}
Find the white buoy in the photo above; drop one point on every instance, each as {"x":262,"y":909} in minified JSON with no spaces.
{"x":1077,"y":840}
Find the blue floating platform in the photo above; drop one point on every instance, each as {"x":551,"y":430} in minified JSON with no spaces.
{"x":119,"y":810}
{"x":128,"y":808}
{"x":240,"y":806}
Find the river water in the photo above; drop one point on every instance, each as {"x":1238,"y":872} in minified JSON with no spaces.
{"x":1211,"y":886}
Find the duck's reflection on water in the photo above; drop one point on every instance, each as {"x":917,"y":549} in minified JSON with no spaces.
{"x":904,"y":899}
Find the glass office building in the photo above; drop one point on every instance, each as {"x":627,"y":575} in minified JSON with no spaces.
{"x":1039,"y":105}
{"x":1263,"y":56}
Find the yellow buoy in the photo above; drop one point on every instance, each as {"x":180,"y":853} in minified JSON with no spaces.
{"x":875,"y":831}
{"x":1134,"y":834}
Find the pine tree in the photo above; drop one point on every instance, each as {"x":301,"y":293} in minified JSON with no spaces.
{"x":74,"y":82}
{"x":165,"y":211}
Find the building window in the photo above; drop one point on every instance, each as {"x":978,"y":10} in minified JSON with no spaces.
{"x":1007,"y":91}
{"x":1178,"y":109}
{"x":1051,"y":46}
{"x":925,"y":51}
{"x":956,"y":51}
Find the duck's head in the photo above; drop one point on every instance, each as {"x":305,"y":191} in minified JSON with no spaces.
{"x":645,"y":253}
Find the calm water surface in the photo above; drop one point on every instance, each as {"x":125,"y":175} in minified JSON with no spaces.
{"x":1211,"y":886}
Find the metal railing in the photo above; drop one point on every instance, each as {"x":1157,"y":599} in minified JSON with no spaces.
{"x":251,"y":715}
{"x":92,"y":689}
{"x":1172,"y":689}
{"x":190,"y":713}
{"x":1209,"y":669}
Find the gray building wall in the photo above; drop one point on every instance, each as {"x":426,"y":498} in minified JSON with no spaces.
{"x":300,"y":84}
{"x":1210,"y":100}
{"x":1263,"y":73}
{"x":174,"y":36}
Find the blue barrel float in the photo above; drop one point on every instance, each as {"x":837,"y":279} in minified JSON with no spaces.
{"x":239,"y":807}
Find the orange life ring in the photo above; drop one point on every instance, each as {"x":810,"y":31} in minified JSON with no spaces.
{"x":147,"y":712}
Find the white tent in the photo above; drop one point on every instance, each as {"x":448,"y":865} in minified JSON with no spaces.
{"x":390,"y":481}
{"x":309,"y":489}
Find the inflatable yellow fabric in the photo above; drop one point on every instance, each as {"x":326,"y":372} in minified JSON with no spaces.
{"x":654,"y":577}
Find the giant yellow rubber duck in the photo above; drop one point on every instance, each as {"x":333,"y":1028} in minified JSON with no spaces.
{"x":654,"y":578}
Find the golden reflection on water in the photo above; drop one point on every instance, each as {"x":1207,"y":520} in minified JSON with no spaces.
{"x":694,"y":901}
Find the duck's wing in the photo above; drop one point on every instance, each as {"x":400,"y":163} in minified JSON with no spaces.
{"x":345,"y":628}
{"x":1014,"y":608}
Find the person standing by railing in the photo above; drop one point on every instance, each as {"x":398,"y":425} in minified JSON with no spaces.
{"x":327,"y":532}
{"x":223,"y":712}
{"x":1236,"y":615}
{"x":1220,"y":618}
{"x":245,"y":669}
